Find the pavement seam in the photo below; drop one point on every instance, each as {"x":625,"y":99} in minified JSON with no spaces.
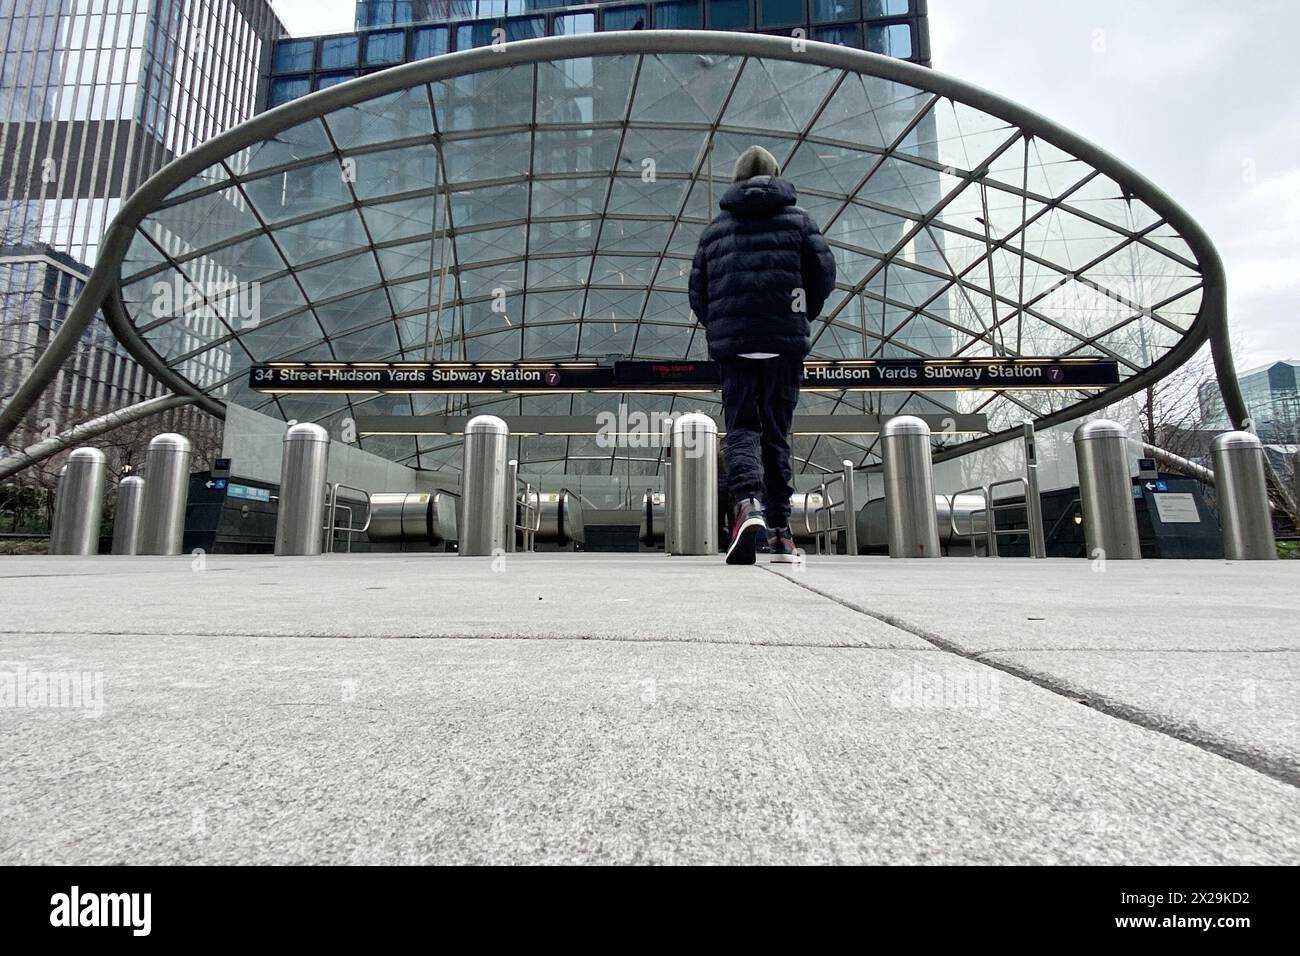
{"x":583,"y":639}
{"x":1275,"y":770}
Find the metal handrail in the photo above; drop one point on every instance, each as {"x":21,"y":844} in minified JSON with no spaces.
{"x":989,"y":544}
{"x":332,"y":526}
{"x":526,"y":509}
{"x":990,"y":511}
{"x":823,"y":534}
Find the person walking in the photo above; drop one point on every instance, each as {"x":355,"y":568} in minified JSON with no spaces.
{"x":762,"y":272}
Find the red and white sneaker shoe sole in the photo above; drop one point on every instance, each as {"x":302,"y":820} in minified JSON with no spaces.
{"x":796,"y":558}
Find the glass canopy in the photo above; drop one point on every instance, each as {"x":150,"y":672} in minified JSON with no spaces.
{"x":548,"y":208}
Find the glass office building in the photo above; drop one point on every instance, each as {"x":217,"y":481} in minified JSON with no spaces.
{"x":390,"y":32}
{"x":95,"y":97}
{"x":1272,"y":394}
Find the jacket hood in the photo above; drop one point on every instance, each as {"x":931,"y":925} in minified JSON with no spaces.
{"x":760,"y":196}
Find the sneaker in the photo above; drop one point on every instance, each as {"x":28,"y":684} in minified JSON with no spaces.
{"x":780,"y":543}
{"x":747,"y":524}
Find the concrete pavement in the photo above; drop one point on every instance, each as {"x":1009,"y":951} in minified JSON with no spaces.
{"x":626,"y":708}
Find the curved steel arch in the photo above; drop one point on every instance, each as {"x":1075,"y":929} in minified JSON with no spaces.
{"x":103,"y":287}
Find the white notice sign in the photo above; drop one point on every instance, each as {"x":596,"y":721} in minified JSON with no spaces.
{"x":1176,"y":508}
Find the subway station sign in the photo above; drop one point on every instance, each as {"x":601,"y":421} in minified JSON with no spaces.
{"x":678,"y":376}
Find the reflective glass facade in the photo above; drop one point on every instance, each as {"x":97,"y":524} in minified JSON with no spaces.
{"x":1272,"y":395}
{"x":549,"y":210}
{"x":96,"y":96}
{"x":896,"y":28}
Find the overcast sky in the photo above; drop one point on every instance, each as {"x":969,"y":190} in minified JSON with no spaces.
{"x":1201,"y":96}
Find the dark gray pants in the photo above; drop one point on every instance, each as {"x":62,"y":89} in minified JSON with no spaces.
{"x":758,"y":401}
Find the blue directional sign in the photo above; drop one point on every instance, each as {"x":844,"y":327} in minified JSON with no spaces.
{"x":236,"y":490}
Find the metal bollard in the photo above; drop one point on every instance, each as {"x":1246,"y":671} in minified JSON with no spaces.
{"x":850,"y":511}
{"x":1106,"y":491}
{"x":909,"y":489}
{"x":1033,"y":499}
{"x":166,"y":488}
{"x":694,"y":491}
{"x":56,"y":508}
{"x":304,"y":467}
{"x":1243,"y":497}
{"x":126,"y":520}
{"x":80,"y":504}
{"x":483,"y":486}
{"x":511,"y":505}
{"x":670,"y":545}
{"x":1295,"y":476}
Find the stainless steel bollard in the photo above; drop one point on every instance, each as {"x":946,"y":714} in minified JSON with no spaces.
{"x":80,"y":503}
{"x":694,"y":491}
{"x":511,"y":505}
{"x":483,"y":486}
{"x":126,"y":519}
{"x":304,"y":467}
{"x":1033,"y":498}
{"x":910,"y":518}
{"x":166,"y":488}
{"x":56,"y":509}
{"x":1106,"y":491}
{"x":1295,"y":476}
{"x":1243,"y":497}
{"x":850,"y":510}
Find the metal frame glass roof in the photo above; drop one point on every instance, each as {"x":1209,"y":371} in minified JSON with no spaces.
{"x":542,"y":201}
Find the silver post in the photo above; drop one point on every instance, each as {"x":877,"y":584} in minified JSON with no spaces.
{"x":1295,"y":476}
{"x":695,"y":485}
{"x":909,"y":489}
{"x":483,"y":486}
{"x":1033,"y":500}
{"x":511,"y":504}
{"x":990,"y":523}
{"x":528,"y":514}
{"x":166,"y":488}
{"x":670,"y":543}
{"x":850,"y":510}
{"x":81,"y":489}
{"x":1106,"y":491}
{"x":304,"y":463}
{"x":57,"y":509}
{"x":126,"y":519}
{"x":1243,"y":497}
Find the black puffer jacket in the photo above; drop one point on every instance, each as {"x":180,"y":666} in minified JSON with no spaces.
{"x":751,"y":260}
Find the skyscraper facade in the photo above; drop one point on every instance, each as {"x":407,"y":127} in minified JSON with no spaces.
{"x":96,"y":96}
{"x":390,"y":32}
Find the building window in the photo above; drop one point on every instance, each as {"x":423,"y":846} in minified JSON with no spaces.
{"x":326,"y":80}
{"x":338,"y":52}
{"x":293,"y":56}
{"x":625,"y":18}
{"x":374,"y":13}
{"x":729,"y":15}
{"x":470,"y":35}
{"x":428,"y":41}
{"x":895,"y":39}
{"x":828,"y":11}
{"x":678,"y":15}
{"x":886,"y":8}
{"x":845,"y":34}
{"x":780,"y":13}
{"x":573,"y":23}
{"x":284,"y":90}
{"x":491,"y":8}
{"x":525,"y":28}
{"x":385,"y":47}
